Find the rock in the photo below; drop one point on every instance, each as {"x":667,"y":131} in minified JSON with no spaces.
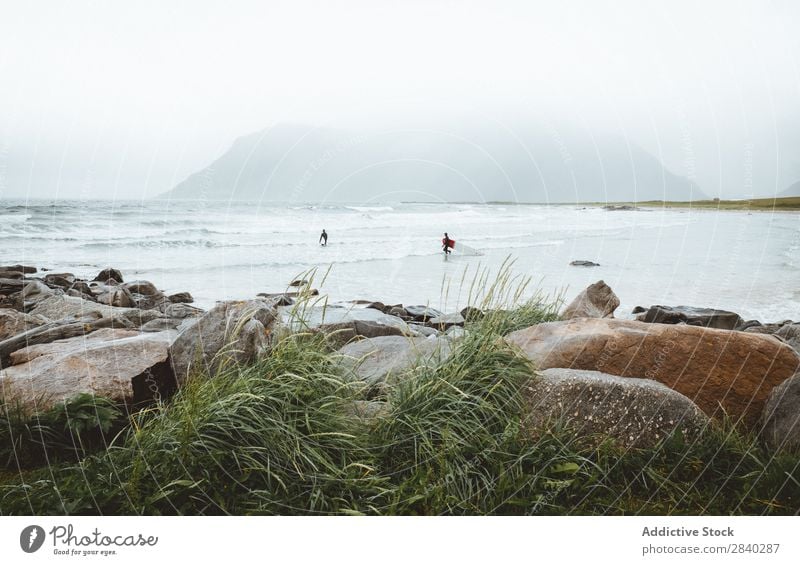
{"x":596,"y":301}
{"x":82,"y":287}
{"x":711,"y":367}
{"x":230,"y":333}
{"x":121,"y":365}
{"x":12,"y":275}
{"x":455,"y":332}
{"x":107,"y":274}
{"x":139,"y":317}
{"x":36,"y":290}
{"x":638,"y":310}
{"x":13,"y":322}
{"x":161,"y":324}
{"x":298,"y":282}
{"x":181,"y":310}
{"x":781,"y":418}
{"x":581,"y":263}
{"x":446,"y":321}
{"x":62,"y":280}
{"x":145,"y":288}
{"x":369,"y":409}
{"x":706,"y":317}
{"x":422,"y":313}
{"x":377,"y":306}
{"x":118,"y":297}
{"x":472,"y":314}
{"x":180,"y":298}
{"x":744,"y":326}
{"x":19,"y":269}
{"x":343,"y":324}
{"x":59,"y":307}
{"x":634,"y":412}
{"x":291,"y":295}
{"x":787,"y":331}
{"x":622,"y":207}
{"x":397,"y":311}
{"x":421,"y":330}
{"x":381,"y":360}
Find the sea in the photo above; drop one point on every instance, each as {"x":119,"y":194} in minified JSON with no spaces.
{"x":744,"y":261}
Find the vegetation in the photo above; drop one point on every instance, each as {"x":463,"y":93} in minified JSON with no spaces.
{"x":787,"y":203}
{"x":283,"y":436}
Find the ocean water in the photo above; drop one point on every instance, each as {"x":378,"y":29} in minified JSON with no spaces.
{"x":736,"y":260}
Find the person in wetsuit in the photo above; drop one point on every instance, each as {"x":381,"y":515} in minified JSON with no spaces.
{"x":446,"y":244}
{"x":323,"y":238}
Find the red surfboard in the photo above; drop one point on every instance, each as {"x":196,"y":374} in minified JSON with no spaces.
{"x":451,"y":243}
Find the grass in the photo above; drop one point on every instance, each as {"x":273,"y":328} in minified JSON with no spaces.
{"x":788,"y":203}
{"x":281,"y":437}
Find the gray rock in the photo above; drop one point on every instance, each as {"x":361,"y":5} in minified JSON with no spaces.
{"x":161,"y":324}
{"x":116,"y":296}
{"x":107,"y":274}
{"x":634,"y":412}
{"x":369,"y":410}
{"x":61,"y":280}
{"x":341,"y":323}
{"x":446,"y":321}
{"x":581,"y":263}
{"x":421,"y":330}
{"x":181,"y":298}
{"x":36,"y":290}
{"x":230,"y":333}
{"x":422,"y":313}
{"x":781,"y":419}
{"x":19,"y":268}
{"x":13,"y":322}
{"x":472,"y":314}
{"x":145,"y":288}
{"x":787,"y":331}
{"x":180,"y":310}
{"x":109,"y":362}
{"x":382,"y":360}
{"x":595,"y":301}
{"x":456,"y":332}
{"x":689,"y":315}
{"x":59,"y":307}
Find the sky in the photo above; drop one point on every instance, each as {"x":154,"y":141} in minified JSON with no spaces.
{"x":125,"y":99}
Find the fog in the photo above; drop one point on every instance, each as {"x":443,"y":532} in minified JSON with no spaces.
{"x":127,"y":100}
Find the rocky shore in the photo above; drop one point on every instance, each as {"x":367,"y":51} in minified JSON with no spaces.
{"x":635,"y":381}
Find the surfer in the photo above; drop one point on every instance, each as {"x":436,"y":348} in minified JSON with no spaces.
{"x":323,"y":238}
{"x":446,"y":244}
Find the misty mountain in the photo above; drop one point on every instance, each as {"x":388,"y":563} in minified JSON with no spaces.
{"x":530,"y":163}
{"x":793,"y":190}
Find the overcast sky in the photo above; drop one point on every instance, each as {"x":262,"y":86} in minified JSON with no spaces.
{"x":148,"y":92}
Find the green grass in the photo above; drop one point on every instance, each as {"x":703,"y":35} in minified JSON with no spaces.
{"x":787,"y":203}
{"x":281,"y":437}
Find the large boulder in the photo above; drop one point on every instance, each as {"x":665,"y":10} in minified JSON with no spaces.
{"x":121,"y":365}
{"x":781,"y":420}
{"x":341,"y":323}
{"x":13,"y":322}
{"x":59,"y":307}
{"x":595,"y":301}
{"x":706,"y":317}
{"x":145,"y":295}
{"x":634,"y":412}
{"x":717,"y":369}
{"x":230,"y":333}
{"x":379,"y":360}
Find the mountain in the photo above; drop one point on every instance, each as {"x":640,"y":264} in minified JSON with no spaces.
{"x":529,"y":164}
{"x":793,"y":190}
